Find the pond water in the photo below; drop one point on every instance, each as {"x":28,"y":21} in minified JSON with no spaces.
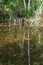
{"x":18,"y":47}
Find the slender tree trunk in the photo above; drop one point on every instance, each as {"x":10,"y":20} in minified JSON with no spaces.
{"x":24,"y":4}
{"x":28,"y":50}
{"x":28,"y":5}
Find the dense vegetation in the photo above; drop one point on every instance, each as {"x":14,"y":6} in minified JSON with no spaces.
{"x":14,"y":26}
{"x":16,"y":8}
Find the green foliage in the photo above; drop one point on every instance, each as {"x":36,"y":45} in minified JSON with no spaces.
{"x":16,"y":7}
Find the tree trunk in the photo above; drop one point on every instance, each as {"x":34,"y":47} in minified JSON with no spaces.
{"x":28,"y":50}
{"x":24,"y":4}
{"x":28,"y":5}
